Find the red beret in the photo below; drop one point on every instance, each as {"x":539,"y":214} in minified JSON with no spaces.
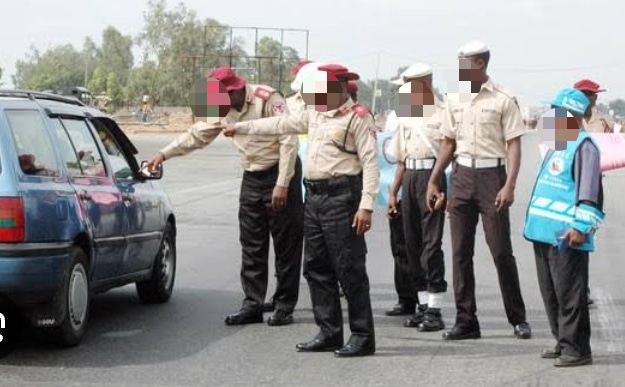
{"x":352,"y":87}
{"x":298,"y":66}
{"x":227,"y":76}
{"x":588,"y":85}
{"x":339,"y":71}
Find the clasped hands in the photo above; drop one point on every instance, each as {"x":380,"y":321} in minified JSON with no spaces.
{"x":228,"y":130}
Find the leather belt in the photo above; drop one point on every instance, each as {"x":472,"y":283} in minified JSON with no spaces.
{"x":480,"y":163}
{"x":418,"y":164}
{"x":332,"y":185}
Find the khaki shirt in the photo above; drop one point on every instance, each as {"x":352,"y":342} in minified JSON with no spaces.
{"x":295,"y":103}
{"x":258,"y":153}
{"x":407,"y":142}
{"x":482,"y":123}
{"x":325,"y":130}
{"x":598,"y":122}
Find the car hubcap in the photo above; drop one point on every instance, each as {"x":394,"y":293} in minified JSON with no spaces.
{"x":167,"y":264}
{"x":78,"y":296}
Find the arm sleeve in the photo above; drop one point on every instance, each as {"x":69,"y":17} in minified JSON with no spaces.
{"x":587,"y":173}
{"x":284,"y":124}
{"x":276,"y":107}
{"x":200,"y":135}
{"x":394,"y":148}
{"x":367,"y":149}
{"x":448,"y":124}
{"x":511,"y":120}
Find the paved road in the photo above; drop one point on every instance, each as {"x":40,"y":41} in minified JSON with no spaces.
{"x":185,"y":342}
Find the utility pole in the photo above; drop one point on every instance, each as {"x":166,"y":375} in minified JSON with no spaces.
{"x":375,"y":84}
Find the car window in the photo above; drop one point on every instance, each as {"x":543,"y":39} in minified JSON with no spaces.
{"x":85,"y":147}
{"x":68,"y":153}
{"x":35,"y":152}
{"x":121,"y":167}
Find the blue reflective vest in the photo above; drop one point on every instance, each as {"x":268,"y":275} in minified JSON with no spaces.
{"x":552,"y":209}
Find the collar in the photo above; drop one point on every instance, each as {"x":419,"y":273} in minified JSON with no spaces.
{"x":342,"y":110}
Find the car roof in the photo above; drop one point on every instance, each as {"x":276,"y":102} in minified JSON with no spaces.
{"x":59,"y":105}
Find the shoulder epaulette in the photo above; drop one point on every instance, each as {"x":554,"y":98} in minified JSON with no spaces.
{"x":504,"y":91}
{"x":360,"y":110}
{"x":263,"y":93}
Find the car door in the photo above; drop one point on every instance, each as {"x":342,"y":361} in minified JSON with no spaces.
{"x":145,"y":219}
{"x":100,"y":196}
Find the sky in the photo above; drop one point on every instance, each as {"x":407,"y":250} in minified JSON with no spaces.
{"x":537,"y":46}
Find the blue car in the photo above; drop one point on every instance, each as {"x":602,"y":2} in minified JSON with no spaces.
{"x":78,"y":214}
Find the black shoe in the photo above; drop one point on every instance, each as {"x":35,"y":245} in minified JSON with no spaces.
{"x":432,"y":322}
{"x":245,"y":316}
{"x":280,"y":317}
{"x":551,"y":353}
{"x":401,"y":310}
{"x":572,"y":361}
{"x":320,"y":344}
{"x":523,"y":331}
{"x":268,"y":307}
{"x":459,"y":332}
{"x":416,"y":319}
{"x":356,"y":347}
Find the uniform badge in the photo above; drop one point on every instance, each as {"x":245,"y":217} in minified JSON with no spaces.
{"x":373,"y":131}
{"x":263,"y":93}
{"x":556,"y":166}
{"x":278,"y":107}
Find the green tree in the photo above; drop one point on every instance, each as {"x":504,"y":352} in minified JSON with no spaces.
{"x":0,"y":76}
{"x":183,"y":48}
{"x":114,"y":90}
{"x":115,"y":55}
{"x":274,"y":63}
{"x":98,"y":82}
{"x":618,"y":105}
{"x":58,"y":68}
{"x":139,"y":82}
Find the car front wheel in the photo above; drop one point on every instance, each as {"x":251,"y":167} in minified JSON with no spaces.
{"x":159,"y":287}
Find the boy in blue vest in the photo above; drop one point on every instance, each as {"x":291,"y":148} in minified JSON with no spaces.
{"x":562,"y":218}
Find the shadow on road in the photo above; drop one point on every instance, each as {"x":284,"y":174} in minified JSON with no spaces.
{"x":124,"y":331}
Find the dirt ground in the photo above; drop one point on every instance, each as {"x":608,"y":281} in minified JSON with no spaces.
{"x":167,"y":123}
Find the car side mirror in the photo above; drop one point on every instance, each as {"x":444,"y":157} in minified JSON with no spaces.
{"x":154,"y":175}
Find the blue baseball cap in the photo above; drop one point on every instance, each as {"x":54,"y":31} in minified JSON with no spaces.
{"x":572,"y":100}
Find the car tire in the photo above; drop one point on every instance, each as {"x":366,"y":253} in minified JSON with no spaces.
{"x":75,"y":300}
{"x":159,"y":287}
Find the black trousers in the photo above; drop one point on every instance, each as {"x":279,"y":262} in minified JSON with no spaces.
{"x":473,"y":193}
{"x":404,"y":284}
{"x":335,"y":254}
{"x":424,"y":232}
{"x":257,"y":221}
{"x":563,"y":281}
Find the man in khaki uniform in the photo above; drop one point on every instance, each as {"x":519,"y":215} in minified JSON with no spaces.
{"x":595,"y":121}
{"x":341,"y":177}
{"x":270,"y":198}
{"x":415,"y":145}
{"x":484,"y":128}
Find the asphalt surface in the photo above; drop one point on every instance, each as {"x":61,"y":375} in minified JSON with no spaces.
{"x":185,"y":342}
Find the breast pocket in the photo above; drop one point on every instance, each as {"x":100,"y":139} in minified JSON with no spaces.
{"x":341,"y":139}
{"x":489,"y":122}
